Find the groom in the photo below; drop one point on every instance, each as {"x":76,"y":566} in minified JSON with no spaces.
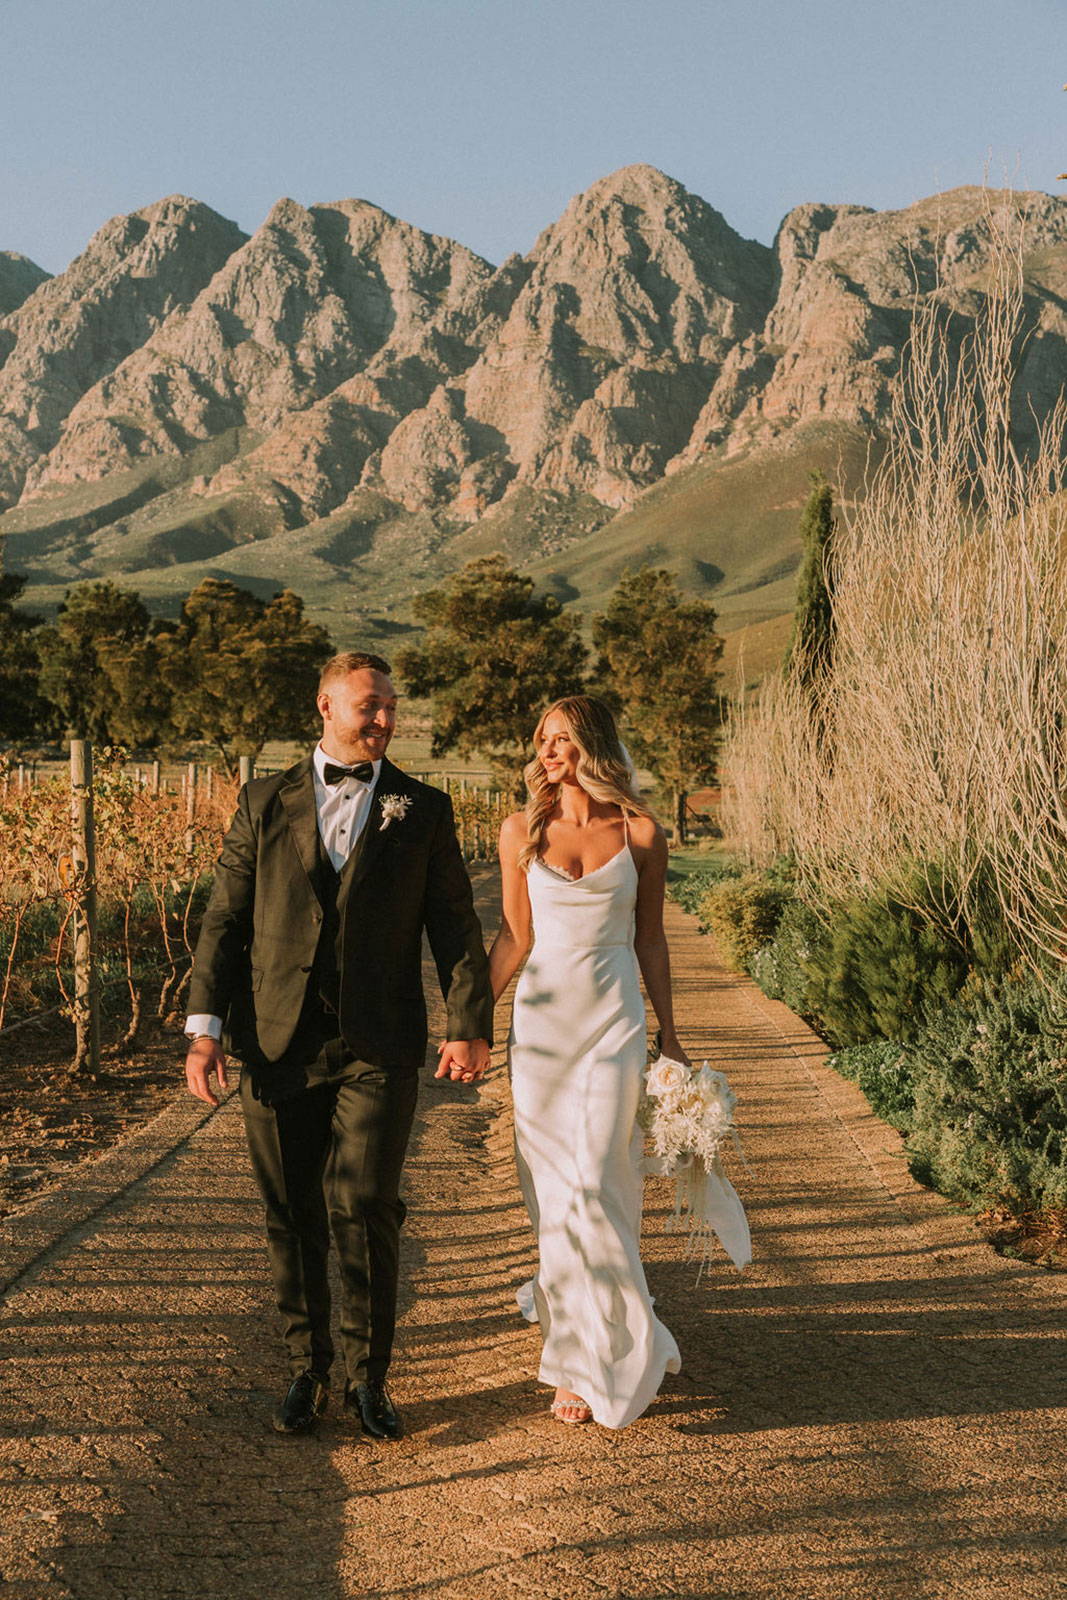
{"x":309,"y":967}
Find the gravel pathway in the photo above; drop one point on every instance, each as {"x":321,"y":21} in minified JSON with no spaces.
{"x":869,"y":1411}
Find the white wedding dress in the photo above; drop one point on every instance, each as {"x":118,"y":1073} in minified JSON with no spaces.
{"x":577,"y":1052}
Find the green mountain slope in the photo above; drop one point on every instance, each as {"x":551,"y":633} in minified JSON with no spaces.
{"x":727,"y":527}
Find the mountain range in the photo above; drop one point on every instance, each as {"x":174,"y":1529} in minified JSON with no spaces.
{"x":349,"y":406}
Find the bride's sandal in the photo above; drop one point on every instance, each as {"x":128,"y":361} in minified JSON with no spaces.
{"x":559,"y":1408}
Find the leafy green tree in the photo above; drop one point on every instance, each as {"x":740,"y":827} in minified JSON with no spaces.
{"x":240,"y":670}
{"x":811,"y":646}
{"x":494,"y":655}
{"x":23,"y":714}
{"x":140,"y":713}
{"x":99,"y":667}
{"x":658,"y":655}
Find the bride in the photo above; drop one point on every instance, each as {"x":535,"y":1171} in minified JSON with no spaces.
{"x":583,"y":869}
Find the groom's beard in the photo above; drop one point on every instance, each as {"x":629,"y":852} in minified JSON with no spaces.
{"x":357,"y":747}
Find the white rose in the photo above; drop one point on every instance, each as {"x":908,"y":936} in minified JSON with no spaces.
{"x":665,"y":1077}
{"x":713,"y":1086}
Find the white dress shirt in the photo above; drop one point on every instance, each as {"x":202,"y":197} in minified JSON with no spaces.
{"x":342,"y":810}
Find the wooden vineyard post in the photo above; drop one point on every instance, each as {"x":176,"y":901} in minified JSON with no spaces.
{"x":190,"y":808}
{"x":246,"y":770}
{"x":155,"y":777}
{"x":83,"y":857}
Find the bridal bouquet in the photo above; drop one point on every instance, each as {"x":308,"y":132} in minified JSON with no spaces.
{"x":689,"y":1115}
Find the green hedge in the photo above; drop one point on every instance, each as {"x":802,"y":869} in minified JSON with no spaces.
{"x":989,"y":1123}
{"x":962,"y":1054}
{"x":789,"y":966}
{"x":690,"y":888}
{"x":885,"y":1073}
{"x":886,"y":967}
{"x":874,"y":967}
{"x":743,"y":913}
{"x":980,"y":1095}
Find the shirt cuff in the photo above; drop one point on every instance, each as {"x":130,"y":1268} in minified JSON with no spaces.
{"x":201,"y":1022}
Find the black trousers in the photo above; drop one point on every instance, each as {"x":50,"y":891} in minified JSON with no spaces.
{"x":329,"y":1158}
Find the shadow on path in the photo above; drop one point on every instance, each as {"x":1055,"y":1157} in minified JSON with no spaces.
{"x":144,"y":1363}
{"x":865,"y":1414}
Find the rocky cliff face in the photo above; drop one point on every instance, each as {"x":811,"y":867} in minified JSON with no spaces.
{"x":19,"y":277}
{"x":363,"y":352}
{"x":350,"y":360}
{"x":314,"y":298}
{"x":849,"y":281}
{"x":594,"y":380}
{"x":75,"y":329}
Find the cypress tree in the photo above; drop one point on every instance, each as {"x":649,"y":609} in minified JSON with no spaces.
{"x":810,"y":652}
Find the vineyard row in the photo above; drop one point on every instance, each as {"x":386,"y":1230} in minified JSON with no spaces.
{"x":103,"y":877}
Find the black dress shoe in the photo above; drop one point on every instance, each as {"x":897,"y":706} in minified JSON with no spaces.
{"x":304,"y":1403}
{"x":378,"y":1416}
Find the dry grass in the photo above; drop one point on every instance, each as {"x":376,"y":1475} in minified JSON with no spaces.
{"x":1039,"y":1236}
{"x":940,"y":737}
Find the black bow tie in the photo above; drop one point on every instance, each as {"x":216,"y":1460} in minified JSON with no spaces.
{"x":363,"y":771}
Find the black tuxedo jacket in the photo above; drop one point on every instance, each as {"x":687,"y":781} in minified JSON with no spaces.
{"x":264,"y":918}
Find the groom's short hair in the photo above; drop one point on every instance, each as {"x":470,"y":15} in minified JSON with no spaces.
{"x":347,"y":661}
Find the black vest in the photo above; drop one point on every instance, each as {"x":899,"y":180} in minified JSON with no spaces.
{"x":325,"y":980}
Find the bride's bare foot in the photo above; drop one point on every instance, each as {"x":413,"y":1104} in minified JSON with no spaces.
{"x":570,"y":1407}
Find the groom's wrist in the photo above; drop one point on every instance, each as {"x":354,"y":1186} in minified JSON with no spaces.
{"x":202,"y":1025}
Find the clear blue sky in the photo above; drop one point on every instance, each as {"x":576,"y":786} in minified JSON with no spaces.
{"x":480,"y":118}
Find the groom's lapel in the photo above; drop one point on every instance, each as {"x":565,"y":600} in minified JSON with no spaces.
{"x":298,"y":800}
{"x":372,"y":840}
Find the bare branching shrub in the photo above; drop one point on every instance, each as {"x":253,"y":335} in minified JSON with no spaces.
{"x":938,"y":740}
{"x":154,"y":853}
{"x":34,"y":842}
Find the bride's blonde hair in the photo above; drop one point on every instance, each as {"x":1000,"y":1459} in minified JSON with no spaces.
{"x":604,"y":769}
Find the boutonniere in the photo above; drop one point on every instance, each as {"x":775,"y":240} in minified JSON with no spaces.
{"x":395,"y":808}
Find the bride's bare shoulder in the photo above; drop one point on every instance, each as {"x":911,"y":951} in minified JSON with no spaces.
{"x":513,"y":830}
{"x":646,"y":833}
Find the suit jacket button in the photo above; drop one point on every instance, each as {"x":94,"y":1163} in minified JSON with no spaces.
{"x":316,"y":916}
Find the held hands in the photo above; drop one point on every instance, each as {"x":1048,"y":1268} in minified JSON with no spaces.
{"x":463,"y":1060}
{"x":204,"y":1058}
